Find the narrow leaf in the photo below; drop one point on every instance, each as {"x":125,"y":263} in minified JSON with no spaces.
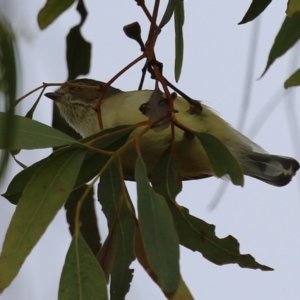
{"x":182,"y":292}
{"x":20,"y":181}
{"x":200,"y":236}
{"x":292,"y":7}
{"x":78,"y":49}
{"x":82,"y":277}
{"x":112,"y":196}
{"x":293,"y":80}
{"x":93,"y":162}
{"x":88,"y":218}
{"x":222,"y":161}
{"x":194,"y":233}
{"x":255,"y":9}
{"x":43,"y":196}
{"x":52,"y":10}
{"x":158,"y":232}
{"x":179,"y":21}
{"x":8,"y":84}
{"x":168,"y":13}
{"x":30,"y":134}
{"x":286,"y":38}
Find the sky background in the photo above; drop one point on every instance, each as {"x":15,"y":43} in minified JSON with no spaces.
{"x":263,"y":218}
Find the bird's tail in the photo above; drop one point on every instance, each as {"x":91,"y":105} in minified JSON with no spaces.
{"x":272,"y":169}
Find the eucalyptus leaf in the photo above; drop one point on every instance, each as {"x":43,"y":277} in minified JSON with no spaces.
{"x":179,"y":45}
{"x":286,"y":38}
{"x":168,"y":12}
{"x":43,"y":196}
{"x":78,"y":49}
{"x":88,"y":218}
{"x":222,"y":161}
{"x":255,"y":9}
{"x":51,"y":11}
{"x":113,"y":197}
{"x":158,"y":233}
{"x":8,"y":84}
{"x":92,"y":164}
{"x":293,"y":80}
{"x":82,"y":277}
{"x":194,"y":233}
{"x":30,"y":134}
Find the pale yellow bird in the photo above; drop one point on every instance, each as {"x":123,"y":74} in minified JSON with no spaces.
{"x":76,"y":104}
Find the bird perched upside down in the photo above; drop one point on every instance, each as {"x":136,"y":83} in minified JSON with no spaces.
{"x":76,"y":104}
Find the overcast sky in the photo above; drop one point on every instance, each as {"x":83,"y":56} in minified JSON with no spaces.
{"x":263,"y":218}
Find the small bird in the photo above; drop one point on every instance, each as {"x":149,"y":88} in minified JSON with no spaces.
{"x":76,"y":104}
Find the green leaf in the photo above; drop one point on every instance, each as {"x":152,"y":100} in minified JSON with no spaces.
{"x":20,"y":181}
{"x":113,"y":198}
{"x":158,"y":232}
{"x":92,"y":164}
{"x":88,"y":218}
{"x":179,"y":21}
{"x":255,"y":9}
{"x":44,"y":195}
{"x":194,"y":233}
{"x":293,"y":80}
{"x":8,"y":84}
{"x":286,"y":38}
{"x":52,"y":10}
{"x":182,"y":292}
{"x":82,"y":277}
{"x":168,"y":13}
{"x":197,"y":235}
{"x":292,"y":7}
{"x":30,"y":134}
{"x":222,"y":161}
{"x":78,"y":49}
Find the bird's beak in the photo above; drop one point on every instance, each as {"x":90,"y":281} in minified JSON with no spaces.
{"x":53,"y":96}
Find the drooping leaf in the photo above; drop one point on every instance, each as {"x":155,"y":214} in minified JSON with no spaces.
{"x":30,"y":134}
{"x":44,"y":195}
{"x":286,"y":38}
{"x":194,"y":233}
{"x":20,"y":181}
{"x":182,"y":291}
{"x":52,"y":10}
{"x":168,"y":13}
{"x":92,"y":164}
{"x":293,"y":6}
{"x":8,"y":84}
{"x":78,"y":49}
{"x":88,"y":218}
{"x":200,"y":236}
{"x":82,"y":277}
{"x":222,"y":161}
{"x":106,"y":255}
{"x":255,"y":9}
{"x":158,"y":232}
{"x":179,"y":21}
{"x":113,"y":197}
{"x":293,"y":80}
